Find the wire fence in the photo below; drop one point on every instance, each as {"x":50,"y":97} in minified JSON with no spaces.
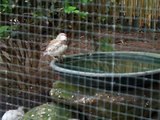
{"x":110,"y":69}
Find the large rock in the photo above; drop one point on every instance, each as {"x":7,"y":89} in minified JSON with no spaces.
{"x":48,"y":112}
{"x":96,"y":104}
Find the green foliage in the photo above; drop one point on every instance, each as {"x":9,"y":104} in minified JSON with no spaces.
{"x":73,"y":9}
{"x":6,"y":30}
{"x":5,"y":6}
{"x":67,"y":91}
{"x":105,"y":45}
{"x":48,"y":112}
{"x":86,"y":1}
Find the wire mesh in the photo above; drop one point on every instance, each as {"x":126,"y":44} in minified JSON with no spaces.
{"x":110,"y":70}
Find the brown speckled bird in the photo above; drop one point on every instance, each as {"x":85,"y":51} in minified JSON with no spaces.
{"x":57,"y":46}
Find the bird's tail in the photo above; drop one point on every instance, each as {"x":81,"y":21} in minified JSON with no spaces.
{"x":20,"y":108}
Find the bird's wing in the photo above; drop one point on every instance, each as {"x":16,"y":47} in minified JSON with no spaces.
{"x":54,"y":45}
{"x":55,"y":41}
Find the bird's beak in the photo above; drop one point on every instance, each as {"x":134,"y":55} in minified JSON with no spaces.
{"x":64,"y":42}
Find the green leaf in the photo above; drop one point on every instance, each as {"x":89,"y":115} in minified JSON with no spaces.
{"x":83,"y":14}
{"x":4,"y":29}
{"x":76,"y":11}
{"x":106,"y":45}
{"x":70,"y":9}
{"x":5,"y":6}
{"x":86,"y":1}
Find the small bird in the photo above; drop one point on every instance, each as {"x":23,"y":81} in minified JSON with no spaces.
{"x":57,"y":46}
{"x":14,"y":114}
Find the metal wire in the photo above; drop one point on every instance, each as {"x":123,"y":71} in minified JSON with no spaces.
{"x":99,"y":78}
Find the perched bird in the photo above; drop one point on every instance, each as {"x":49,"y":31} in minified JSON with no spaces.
{"x":57,"y":46}
{"x":13,"y":114}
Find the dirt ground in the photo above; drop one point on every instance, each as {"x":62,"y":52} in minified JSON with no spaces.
{"x":132,"y":41}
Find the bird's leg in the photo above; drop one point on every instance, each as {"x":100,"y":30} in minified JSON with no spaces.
{"x":61,"y":57}
{"x":55,"y":58}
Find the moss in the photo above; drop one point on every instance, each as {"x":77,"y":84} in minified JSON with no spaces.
{"x":48,"y":112}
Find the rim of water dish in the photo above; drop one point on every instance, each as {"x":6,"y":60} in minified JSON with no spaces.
{"x":96,"y":74}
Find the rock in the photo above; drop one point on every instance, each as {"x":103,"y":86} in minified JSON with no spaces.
{"x":98,"y":104}
{"x":13,"y":114}
{"x":48,"y":112}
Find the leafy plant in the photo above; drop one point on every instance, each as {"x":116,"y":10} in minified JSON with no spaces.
{"x":4,"y":31}
{"x":6,"y":6}
{"x":86,"y":1}
{"x":73,"y":9}
{"x":105,"y":45}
